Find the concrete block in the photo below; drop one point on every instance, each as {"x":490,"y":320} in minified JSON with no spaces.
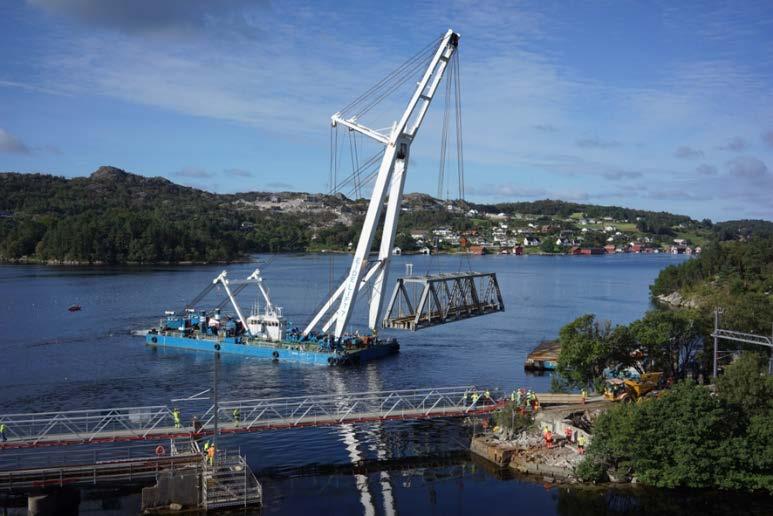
{"x":178,"y":487}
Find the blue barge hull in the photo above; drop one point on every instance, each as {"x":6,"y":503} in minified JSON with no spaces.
{"x":275,"y":352}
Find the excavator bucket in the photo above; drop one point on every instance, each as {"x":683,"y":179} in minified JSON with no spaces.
{"x":419,"y":302}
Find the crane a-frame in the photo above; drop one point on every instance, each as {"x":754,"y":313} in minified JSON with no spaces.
{"x":388,"y":186}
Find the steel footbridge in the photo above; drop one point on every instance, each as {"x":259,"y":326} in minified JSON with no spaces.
{"x":156,"y":422}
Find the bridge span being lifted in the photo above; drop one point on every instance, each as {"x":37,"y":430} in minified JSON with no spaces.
{"x":156,"y":422}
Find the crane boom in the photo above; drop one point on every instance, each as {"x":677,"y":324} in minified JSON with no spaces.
{"x":391,"y":180}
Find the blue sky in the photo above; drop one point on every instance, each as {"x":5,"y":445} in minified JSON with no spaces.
{"x":656,"y":105}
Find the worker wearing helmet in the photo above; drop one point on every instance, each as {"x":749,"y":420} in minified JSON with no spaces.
{"x":176,"y":417}
{"x":211,"y":455}
{"x":581,"y":442}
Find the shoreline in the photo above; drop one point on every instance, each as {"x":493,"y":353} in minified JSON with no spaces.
{"x":242,"y":260}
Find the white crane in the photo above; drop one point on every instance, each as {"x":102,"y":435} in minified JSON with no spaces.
{"x":389,"y":183}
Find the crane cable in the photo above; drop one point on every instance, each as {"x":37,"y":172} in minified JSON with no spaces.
{"x":376,"y":93}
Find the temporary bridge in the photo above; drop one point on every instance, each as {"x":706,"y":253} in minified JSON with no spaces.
{"x":157,"y":422}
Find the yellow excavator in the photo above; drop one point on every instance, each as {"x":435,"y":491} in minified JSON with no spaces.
{"x":631,"y":390}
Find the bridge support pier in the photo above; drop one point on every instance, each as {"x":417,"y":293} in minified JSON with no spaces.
{"x":55,"y":501}
{"x":173,"y":487}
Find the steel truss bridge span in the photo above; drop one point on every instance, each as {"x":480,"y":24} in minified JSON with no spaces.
{"x":240,"y":416}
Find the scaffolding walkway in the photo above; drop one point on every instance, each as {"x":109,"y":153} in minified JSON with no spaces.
{"x":419,"y":302}
{"x":23,"y":470}
{"x":230,"y":483}
{"x":30,"y":430}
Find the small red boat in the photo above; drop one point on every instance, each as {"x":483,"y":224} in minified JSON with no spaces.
{"x":74,"y":308}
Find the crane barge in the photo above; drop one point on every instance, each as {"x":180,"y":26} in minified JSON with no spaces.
{"x":324,"y":340}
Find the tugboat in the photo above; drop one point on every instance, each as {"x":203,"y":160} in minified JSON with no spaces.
{"x":263,"y":334}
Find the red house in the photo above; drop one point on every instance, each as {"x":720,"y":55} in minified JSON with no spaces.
{"x":588,"y":250}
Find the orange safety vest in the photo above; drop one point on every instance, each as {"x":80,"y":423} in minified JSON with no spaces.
{"x":211,"y":452}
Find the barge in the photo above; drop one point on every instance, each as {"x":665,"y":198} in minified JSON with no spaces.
{"x":544,"y":357}
{"x":263,"y":334}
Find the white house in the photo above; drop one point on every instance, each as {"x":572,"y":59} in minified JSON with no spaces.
{"x":531,"y":241}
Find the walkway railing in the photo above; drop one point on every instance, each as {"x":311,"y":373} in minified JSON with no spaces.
{"x":157,"y":422}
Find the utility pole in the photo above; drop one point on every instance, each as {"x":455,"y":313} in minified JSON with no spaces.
{"x":217,"y":407}
{"x":716,"y":338}
{"x":770,"y":360}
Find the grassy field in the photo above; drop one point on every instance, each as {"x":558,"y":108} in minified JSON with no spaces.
{"x":692,"y":237}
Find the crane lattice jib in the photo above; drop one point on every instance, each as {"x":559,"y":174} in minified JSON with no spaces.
{"x":389,"y":184}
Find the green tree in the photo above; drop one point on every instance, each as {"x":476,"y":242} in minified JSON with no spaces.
{"x":588,"y":347}
{"x":405,"y":242}
{"x":746,"y":385}
{"x":688,"y":437}
{"x":671,"y":341}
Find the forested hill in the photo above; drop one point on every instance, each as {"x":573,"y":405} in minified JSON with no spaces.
{"x":116,"y":217}
{"x":736,"y":275}
{"x":566,"y":209}
{"x":113,"y":216}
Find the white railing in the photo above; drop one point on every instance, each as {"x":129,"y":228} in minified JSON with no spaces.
{"x":154,"y":422}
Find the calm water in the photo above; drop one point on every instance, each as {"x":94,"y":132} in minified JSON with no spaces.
{"x":54,"y":360}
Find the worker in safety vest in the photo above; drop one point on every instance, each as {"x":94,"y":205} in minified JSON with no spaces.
{"x":548,"y":438}
{"x":487,"y":394}
{"x":581,"y":442}
{"x":236,"y":415}
{"x":513,"y":396}
{"x":2,"y":432}
{"x":177,"y":418}
{"x":211,"y":454}
{"x":584,"y":395}
{"x":475,"y":397}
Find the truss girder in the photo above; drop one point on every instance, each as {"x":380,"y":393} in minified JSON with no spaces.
{"x":442,"y":298}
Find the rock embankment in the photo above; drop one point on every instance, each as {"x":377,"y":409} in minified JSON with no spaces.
{"x":677,"y":300}
{"x":528,"y":451}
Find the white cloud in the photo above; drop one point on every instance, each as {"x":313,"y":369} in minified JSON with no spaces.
{"x":237,"y":172}
{"x":735,"y":144}
{"x":11,"y":144}
{"x":599,"y":143}
{"x":687,"y":152}
{"x":768,"y":138}
{"x":747,"y":168}
{"x":616,"y":175}
{"x":517,"y":85}
{"x":706,"y":170}
{"x":193,"y":173}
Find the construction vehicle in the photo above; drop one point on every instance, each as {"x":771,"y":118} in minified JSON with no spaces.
{"x":631,"y":390}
